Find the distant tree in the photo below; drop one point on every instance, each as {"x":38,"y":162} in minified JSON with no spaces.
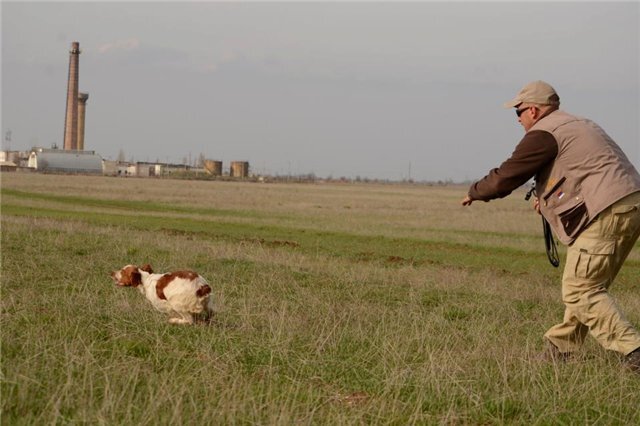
{"x":201,"y":160}
{"x":121,"y":156}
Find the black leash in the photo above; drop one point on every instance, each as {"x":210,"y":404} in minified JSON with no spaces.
{"x":549,"y":242}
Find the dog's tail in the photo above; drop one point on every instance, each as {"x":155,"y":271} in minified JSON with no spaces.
{"x":203,"y":291}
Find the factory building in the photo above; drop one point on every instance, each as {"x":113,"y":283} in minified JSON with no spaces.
{"x":10,"y":161}
{"x":62,"y":161}
{"x":147,"y":169}
{"x":74,"y":159}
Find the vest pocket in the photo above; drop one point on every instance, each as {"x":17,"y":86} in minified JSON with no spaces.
{"x":573,"y":216}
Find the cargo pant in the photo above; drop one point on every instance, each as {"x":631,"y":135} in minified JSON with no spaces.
{"x":593,"y":261}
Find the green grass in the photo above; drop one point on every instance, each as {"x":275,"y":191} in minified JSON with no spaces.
{"x":323,"y":316}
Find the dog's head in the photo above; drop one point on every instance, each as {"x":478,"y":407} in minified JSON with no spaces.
{"x":130,"y":275}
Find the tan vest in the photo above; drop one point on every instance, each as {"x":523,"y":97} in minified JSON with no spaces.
{"x":589,"y":174}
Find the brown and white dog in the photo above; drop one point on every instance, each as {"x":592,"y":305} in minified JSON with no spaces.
{"x":181,"y":294}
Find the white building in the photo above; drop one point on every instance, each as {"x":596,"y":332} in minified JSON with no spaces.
{"x":65,"y":161}
{"x":11,"y":160}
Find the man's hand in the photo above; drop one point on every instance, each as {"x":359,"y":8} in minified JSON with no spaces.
{"x":466,"y":201}
{"x":536,"y":205}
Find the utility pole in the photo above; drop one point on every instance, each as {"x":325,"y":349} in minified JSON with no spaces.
{"x":7,"y":140}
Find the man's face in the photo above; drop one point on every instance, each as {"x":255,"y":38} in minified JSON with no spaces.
{"x":527,"y":115}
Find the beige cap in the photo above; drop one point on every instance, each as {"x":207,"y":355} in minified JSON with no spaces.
{"x":536,"y":92}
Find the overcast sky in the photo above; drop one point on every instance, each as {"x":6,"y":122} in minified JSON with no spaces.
{"x":382,"y":90}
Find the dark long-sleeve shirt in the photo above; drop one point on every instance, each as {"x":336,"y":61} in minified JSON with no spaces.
{"x":534,"y":152}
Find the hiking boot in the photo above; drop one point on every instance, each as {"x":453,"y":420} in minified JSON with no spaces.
{"x":632,"y":361}
{"x":551,"y":353}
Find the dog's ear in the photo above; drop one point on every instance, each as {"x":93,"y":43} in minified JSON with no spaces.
{"x":136,"y":278}
{"x":147,"y":268}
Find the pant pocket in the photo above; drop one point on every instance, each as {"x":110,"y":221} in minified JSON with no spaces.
{"x":625,"y":219}
{"x":594,"y":258}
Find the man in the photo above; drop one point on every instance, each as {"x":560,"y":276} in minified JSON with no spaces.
{"x":589,"y":192}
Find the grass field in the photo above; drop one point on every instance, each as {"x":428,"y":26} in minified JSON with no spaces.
{"x":335,"y":304}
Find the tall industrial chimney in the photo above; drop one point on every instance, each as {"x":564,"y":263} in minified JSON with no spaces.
{"x":71,"y":119}
{"x":82,"y":106}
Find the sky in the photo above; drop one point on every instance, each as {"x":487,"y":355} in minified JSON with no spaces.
{"x":380,"y":90}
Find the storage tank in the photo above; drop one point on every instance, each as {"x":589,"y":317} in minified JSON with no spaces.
{"x":213,"y":167}
{"x":239,"y":169}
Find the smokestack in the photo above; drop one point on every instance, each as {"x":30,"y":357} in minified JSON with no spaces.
{"x":82,"y":106}
{"x":71,"y":119}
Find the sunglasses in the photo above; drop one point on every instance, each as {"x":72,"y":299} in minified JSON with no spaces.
{"x":520,"y":111}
